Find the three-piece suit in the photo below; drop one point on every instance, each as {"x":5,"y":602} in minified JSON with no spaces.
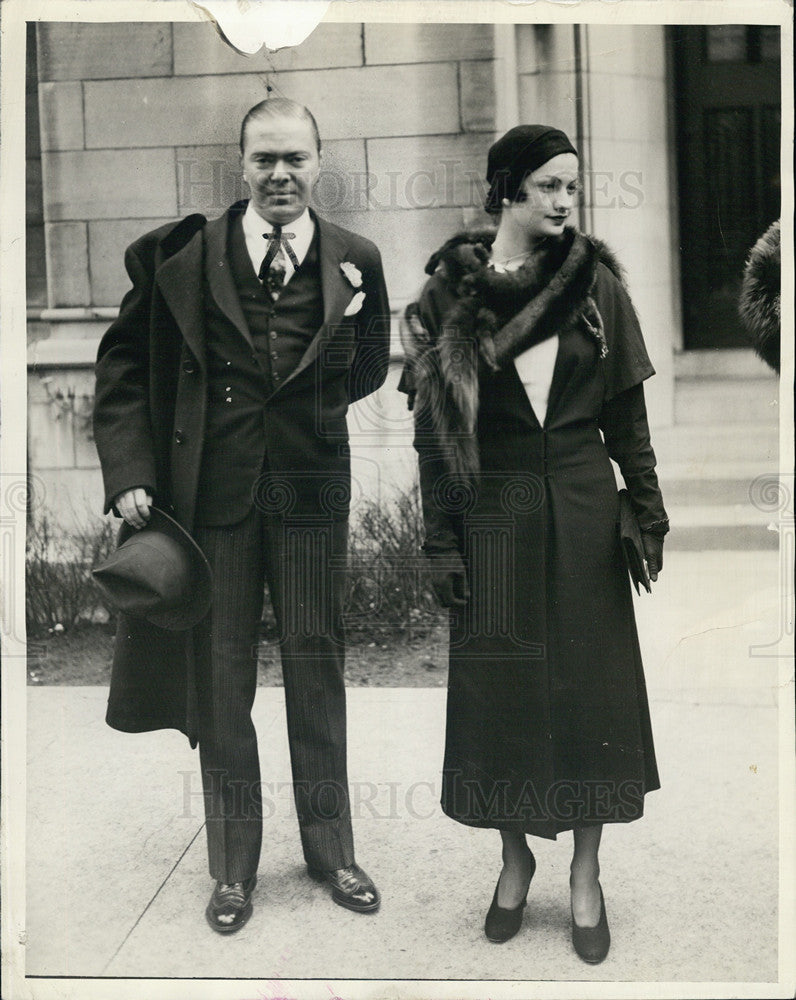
{"x":230,"y":408}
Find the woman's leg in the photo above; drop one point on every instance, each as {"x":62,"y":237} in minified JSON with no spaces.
{"x":584,"y":873}
{"x":516,"y":874}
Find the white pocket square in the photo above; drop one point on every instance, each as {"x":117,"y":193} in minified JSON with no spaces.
{"x":355,"y":304}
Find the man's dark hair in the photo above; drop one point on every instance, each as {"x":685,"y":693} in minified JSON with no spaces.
{"x":279,"y":107}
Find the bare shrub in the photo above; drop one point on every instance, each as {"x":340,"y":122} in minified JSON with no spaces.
{"x":59,"y":589}
{"x":387,"y":588}
{"x":387,"y":593}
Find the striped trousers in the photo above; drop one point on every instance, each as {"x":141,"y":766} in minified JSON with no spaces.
{"x":303,"y":563}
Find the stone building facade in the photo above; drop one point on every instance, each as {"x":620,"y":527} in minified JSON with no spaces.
{"x":132,"y":125}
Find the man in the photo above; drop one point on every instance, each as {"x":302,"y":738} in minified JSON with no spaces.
{"x":222,"y":390}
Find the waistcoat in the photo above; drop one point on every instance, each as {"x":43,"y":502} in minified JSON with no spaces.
{"x":241,"y":380}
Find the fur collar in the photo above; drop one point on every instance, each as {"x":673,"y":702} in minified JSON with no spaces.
{"x":759,"y":304}
{"x":494,"y":317}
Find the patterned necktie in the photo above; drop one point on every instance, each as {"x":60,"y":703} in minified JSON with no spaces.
{"x":272,"y":270}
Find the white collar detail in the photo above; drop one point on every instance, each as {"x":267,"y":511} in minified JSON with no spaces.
{"x":255,"y":227}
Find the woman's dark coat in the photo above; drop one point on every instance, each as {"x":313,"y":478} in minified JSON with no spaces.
{"x":547,"y":717}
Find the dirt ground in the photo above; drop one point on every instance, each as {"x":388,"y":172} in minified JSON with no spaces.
{"x":83,"y":656}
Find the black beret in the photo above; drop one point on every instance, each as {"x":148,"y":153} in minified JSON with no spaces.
{"x":518,"y":153}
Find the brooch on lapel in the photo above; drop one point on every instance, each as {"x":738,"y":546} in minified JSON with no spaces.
{"x":354,"y":276}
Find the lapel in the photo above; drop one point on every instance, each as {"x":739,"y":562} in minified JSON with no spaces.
{"x":219,"y":275}
{"x":179,"y":279}
{"x":337,"y":291}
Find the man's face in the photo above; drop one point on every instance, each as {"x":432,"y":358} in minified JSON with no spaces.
{"x":280,"y":164}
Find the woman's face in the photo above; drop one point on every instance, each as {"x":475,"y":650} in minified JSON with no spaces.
{"x":547,"y":197}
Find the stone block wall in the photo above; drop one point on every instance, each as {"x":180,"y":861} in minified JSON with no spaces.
{"x":140,"y":123}
{"x":34,"y":212}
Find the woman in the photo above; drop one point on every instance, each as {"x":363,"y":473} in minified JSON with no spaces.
{"x":522,"y":348}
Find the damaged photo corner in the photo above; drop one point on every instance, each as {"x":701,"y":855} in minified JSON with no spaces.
{"x":132,"y":122}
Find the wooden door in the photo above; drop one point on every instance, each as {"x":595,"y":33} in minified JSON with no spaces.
{"x":727,"y":80}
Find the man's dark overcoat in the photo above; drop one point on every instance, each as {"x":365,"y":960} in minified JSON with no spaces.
{"x":150,"y":413}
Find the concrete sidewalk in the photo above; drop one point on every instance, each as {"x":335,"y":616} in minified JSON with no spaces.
{"x":691,"y":890}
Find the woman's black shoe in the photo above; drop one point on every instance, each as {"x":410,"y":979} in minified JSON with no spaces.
{"x":502,"y":924}
{"x":592,"y":943}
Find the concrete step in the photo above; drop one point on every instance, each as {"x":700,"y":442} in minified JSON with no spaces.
{"x":721,"y":538}
{"x":699,"y":449}
{"x":698,"y":400}
{"x":725,"y":486}
{"x":719,"y":484}
{"x":732,"y":527}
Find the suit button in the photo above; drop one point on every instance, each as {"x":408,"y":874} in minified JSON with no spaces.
{"x":179,"y":437}
{"x":188,"y":368}
{"x":274,"y":355}
{"x":273,"y":334}
{"x":276,"y":376}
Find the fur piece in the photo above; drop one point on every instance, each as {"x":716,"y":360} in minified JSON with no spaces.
{"x":759,"y":304}
{"x":495,"y":317}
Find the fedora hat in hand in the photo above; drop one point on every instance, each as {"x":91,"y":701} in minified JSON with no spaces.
{"x":158,"y":573}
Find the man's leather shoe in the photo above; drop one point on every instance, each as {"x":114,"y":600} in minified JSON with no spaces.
{"x":592,"y":943}
{"x":230,"y":905}
{"x":351,"y":888}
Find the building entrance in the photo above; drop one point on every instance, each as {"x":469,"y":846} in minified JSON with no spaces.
{"x":727,"y":80}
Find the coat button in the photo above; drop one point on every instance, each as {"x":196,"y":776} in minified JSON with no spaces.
{"x":188,"y":368}
{"x":179,"y":437}
{"x":273,"y":334}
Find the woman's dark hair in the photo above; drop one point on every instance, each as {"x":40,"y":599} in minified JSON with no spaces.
{"x":279,"y":107}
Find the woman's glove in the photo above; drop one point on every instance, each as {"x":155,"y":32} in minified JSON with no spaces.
{"x":448,"y":578}
{"x":653,"y":550}
{"x":624,"y":425}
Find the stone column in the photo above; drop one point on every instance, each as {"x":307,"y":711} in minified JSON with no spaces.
{"x":618,"y":74}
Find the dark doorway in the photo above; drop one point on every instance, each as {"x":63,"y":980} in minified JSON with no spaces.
{"x":727,"y":80}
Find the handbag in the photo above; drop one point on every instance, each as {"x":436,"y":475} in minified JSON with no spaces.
{"x":632,"y":546}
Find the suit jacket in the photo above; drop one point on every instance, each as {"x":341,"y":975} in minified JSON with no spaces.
{"x":151,"y":398}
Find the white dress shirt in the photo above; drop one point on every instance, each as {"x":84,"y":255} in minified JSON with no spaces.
{"x":535,"y":367}
{"x":255,"y":228}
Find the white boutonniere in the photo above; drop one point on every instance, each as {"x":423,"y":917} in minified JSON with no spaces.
{"x":354,"y":276}
{"x":352,"y":272}
{"x":355,"y":304}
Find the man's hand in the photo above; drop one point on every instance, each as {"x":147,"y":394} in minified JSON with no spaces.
{"x":449,"y":579}
{"x":653,"y":550}
{"x":133,"y":505}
